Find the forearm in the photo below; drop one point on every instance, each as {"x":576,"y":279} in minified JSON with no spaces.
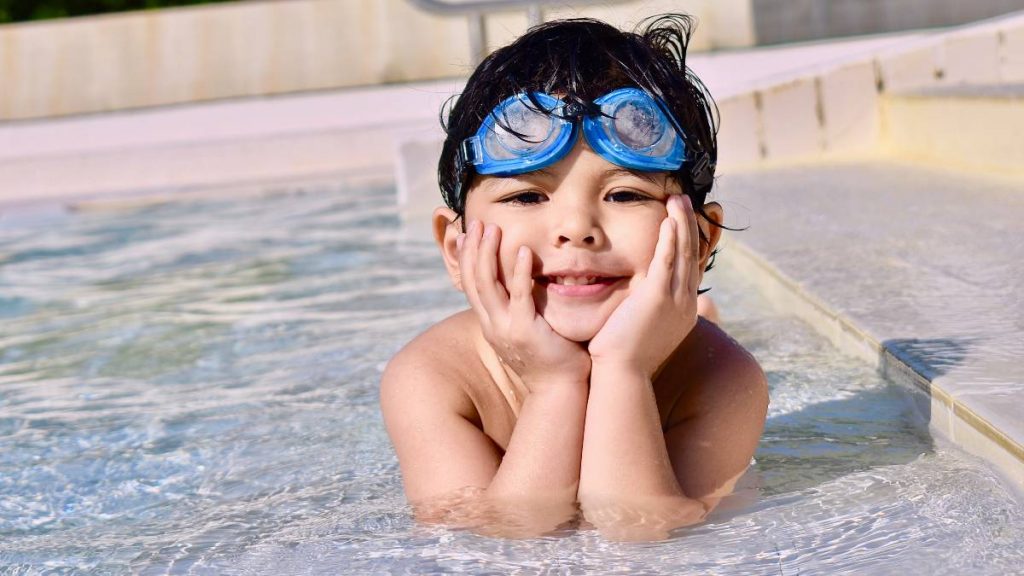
{"x":625,"y":465}
{"x":542,"y":461}
{"x":532,"y":491}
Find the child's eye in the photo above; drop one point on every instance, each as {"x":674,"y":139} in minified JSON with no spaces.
{"x":627,"y":196}
{"x":523,"y":198}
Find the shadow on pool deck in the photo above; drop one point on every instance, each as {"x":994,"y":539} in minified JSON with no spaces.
{"x":931,"y":357}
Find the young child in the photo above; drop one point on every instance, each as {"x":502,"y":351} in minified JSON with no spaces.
{"x":575,"y":172}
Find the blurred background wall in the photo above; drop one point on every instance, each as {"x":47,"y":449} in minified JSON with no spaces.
{"x":178,"y":55}
{"x":777,"y":21}
{"x":146,"y":58}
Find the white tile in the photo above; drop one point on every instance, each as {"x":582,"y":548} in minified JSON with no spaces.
{"x":1011,"y":65}
{"x":849,"y":100}
{"x":789,"y":115}
{"x":914,"y":68}
{"x":739,"y":131}
{"x":972,"y":59}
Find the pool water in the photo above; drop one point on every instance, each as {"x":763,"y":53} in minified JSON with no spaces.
{"x":191,"y":387}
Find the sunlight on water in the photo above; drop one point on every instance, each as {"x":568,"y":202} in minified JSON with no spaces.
{"x":192,"y":388}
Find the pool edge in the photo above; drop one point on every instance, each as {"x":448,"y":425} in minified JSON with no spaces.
{"x":949,"y":416}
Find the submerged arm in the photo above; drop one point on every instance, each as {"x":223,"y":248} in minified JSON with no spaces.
{"x":637,"y":481}
{"x":454,"y":474}
{"x":628,"y":488}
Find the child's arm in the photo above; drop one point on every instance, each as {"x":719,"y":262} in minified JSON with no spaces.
{"x":454,"y":474}
{"x":440,"y":451}
{"x":630,"y":483}
{"x":638,"y":481}
{"x":712,"y":441}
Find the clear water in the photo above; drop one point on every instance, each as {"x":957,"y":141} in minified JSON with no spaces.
{"x":192,"y":388}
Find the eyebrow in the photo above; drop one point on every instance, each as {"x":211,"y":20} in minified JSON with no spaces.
{"x":539,"y":172}
{"x":502,"y":182}
{"x":616,"y":172}
{"x":648,"y":176}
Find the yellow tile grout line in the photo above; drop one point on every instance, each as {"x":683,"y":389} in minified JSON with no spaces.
{"x":890,"y":365}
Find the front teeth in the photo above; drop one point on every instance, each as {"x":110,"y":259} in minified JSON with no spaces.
{"x":574,"y":280}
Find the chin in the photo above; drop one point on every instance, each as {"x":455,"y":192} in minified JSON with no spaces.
{"x":577,"y":330}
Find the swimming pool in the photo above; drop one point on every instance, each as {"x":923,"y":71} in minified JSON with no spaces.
{"x":191,"y":387}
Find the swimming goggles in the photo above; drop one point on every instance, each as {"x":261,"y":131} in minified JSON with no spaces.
{"x":627,"y":127}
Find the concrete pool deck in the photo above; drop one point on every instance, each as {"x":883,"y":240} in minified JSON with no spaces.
{"x":911,"y":267}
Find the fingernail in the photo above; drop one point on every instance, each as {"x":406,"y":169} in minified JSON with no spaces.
{"x":522,"y":252}
{"x":489,"y":230}
{"x":458,"y":241}
{"x":472,"y":226}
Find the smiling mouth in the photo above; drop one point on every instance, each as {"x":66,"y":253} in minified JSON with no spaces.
{"x":578,"y":286}
{"x":577,"y":280}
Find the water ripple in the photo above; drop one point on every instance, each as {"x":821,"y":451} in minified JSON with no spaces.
{"x":192,"y":388}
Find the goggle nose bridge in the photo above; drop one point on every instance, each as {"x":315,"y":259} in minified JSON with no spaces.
{"x":576,"y":111}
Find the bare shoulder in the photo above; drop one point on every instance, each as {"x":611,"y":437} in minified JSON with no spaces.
{"x":430,"y":414}
{"x":726,"y":359}
{"x":432,"y":370}
{"x":714,"y":427}
{"x":721,"y":375}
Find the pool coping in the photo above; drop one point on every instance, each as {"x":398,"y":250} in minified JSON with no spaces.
{"x":952,"y":418}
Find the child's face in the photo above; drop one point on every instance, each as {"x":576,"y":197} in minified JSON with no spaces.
{"x":583,"y":216}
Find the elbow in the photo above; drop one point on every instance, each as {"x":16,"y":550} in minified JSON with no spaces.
{"x":641,"y":519}
{"x":477,"y":510}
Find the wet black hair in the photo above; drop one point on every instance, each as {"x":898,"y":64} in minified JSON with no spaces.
{"x":582,"y":59}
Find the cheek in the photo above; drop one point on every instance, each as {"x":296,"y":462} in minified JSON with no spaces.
{"x":507,"y":252}
{"x":638,"y":242}
{"x":647,"y":245}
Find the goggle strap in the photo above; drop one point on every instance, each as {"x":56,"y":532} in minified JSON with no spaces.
{"x":702,"y":170}
{"x":471,"y":150}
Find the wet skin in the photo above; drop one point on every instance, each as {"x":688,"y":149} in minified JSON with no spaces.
{"x":604,"y":220}
{"x":605,"y":381}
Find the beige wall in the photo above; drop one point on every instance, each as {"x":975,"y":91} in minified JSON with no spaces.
{"x":153,"y":58}
{"x":183,"y":55}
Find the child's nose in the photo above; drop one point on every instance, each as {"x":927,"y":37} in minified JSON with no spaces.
{"x":578,"y":227}
{"x":570,"y":240}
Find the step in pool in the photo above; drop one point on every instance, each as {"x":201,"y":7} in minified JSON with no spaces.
{"x":923,"y":264}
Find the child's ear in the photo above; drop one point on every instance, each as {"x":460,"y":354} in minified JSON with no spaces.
{"x":712,"y":233}
{"x":446,"y":230}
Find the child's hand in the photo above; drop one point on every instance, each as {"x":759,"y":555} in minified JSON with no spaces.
{"x":662,"y":309}
{"x":522,"y":338}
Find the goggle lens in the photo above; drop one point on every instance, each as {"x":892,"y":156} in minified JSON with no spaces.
{"x":519,"y":131}
{"x":638,"y":125}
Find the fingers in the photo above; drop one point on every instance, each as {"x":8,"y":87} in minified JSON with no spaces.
{"x":521,"y":287}
{"x":663,"y":262}
{"x":508,"y":318}
{"x":467,"y":267}
{"x":492,"y":293}
{"x":478,"y":263}
{"x":687,"y":276}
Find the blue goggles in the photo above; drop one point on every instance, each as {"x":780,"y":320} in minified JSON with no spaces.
{"x":627,"y":127}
